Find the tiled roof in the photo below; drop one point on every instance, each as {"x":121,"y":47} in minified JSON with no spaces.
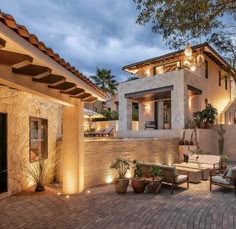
{"x":21,"y":30}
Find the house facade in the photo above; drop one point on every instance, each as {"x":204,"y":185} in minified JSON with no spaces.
{"x":169,"y":90}
{"x":41,"y":101}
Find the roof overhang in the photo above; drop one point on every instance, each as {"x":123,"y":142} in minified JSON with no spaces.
{"x":25,"y":67}
{"x":207,"y":49}
{"x":162,"y":93}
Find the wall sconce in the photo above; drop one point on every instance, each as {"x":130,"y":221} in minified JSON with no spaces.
{"x":147,"y":72}
{"x":147,"y":108}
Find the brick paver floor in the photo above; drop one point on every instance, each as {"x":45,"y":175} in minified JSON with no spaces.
{"x":103,"y":208}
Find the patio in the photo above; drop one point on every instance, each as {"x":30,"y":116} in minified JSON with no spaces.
{"x":103,"y":208}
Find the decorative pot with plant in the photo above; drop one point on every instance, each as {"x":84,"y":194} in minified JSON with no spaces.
{"x":121,"y":166}
{"x":223,"y":159}
{"x":205,"y":118}
{"x":39,"y":172}
{"x":154,"y":184}
{"x":182,"y":141}
{"x":138,"y":182}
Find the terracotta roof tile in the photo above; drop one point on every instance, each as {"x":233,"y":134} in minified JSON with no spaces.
{"x":9,"y":21}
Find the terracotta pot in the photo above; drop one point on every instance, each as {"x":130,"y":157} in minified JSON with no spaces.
{"x":154,"y":186}
{"x":139,"y":184}
{"x":121,"y":185}
{"x":166,"y":125}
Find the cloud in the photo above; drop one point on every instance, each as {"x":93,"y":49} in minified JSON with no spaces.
{"x":89,"y":33}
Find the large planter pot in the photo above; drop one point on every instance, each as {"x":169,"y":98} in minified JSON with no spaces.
{"x":121,"y":185}
{"x":139,"y":184}
{"x":166,"y":125}
{"x":154,"y":186}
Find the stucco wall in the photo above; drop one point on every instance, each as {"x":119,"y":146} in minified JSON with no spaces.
{"x":19,"y":106}
{"x":175,"y":79}
{"x":100,"y":154}
{"x":216,"y":95}
{"x":208,"y":140}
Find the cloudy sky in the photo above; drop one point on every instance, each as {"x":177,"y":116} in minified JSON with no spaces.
{"x":89,"y":33}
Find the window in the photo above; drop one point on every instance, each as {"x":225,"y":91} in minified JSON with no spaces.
{"x":219,"y":78}
{"x":38,"y":139}
{"x":206,"y":69}
{"x":226,"y":86}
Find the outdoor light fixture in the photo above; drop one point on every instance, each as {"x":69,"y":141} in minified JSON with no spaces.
{"x":190,"y":61}
{"x":188,"y":50}
{"x":147,"y":108}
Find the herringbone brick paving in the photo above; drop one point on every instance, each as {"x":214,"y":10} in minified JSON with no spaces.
{"x":103,"y":208}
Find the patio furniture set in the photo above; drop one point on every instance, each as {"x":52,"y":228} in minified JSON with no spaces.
{"x":198,"y":167}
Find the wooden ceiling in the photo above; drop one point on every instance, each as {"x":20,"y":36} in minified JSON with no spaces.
{"x":22,"y":65}
{"x":150,"y":95}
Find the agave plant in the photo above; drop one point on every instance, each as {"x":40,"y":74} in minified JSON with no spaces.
{"x":39,"y":172}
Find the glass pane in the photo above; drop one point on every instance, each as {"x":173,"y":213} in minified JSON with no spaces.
{"x":38,"y":139}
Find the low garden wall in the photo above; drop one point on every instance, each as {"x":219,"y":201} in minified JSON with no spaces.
{"x":100,"y":153}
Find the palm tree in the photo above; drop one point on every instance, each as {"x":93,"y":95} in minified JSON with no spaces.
{"x":105,"y":81}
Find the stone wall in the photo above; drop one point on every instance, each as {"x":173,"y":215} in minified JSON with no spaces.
{"x":19,"y":106}
{"x":100,"y":153}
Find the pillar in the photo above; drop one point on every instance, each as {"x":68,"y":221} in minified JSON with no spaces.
{"x":125,"y":114}
{"x":73,"y":149}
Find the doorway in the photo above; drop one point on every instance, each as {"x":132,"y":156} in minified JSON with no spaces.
{"x":3,"y":153}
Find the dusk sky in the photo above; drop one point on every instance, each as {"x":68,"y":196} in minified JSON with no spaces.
{"x":89,"y":33}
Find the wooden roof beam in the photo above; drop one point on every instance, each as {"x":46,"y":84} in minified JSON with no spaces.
{"x":2,"y":43}
{"x":90,"y":99}
{"x":44,"y":74}
{"x":22,"y":64}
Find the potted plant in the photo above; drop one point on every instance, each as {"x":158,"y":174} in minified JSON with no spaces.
{"x":121,"y":166}
{"x":205,"y":118}
{"x":154,"y":184}
{"x":138,"y":182}
{"x":39,"y":172}
{"x":223,"y":159}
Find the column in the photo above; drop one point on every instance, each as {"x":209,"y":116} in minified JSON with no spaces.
{"x":125,"y":114}
{"x":73,"y":149}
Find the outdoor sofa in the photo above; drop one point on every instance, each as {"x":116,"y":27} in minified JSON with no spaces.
{"x":208,"y":161}
{"x":168,"y":173}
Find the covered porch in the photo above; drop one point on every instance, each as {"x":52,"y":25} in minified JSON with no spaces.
{"x":41,"y":100}
{"x":165,"y":104}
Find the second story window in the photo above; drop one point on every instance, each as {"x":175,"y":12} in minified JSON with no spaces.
{"x":219,"y":78}
{"x":206,"y":69}
{"x":226,"y":82}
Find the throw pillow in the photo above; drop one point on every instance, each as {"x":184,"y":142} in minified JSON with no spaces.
{"x":186,"y":157}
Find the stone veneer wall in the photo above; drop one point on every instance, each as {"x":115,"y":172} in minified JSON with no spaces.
{"x":100,"y":153}
{"x":19,"y":106}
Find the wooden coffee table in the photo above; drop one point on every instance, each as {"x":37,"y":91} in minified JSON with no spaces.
{"x":204,"y":170}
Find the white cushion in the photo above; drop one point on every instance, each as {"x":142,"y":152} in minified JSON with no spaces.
{"x":209,"y":159}
{"x":192,"y":158}
{"x":220,"y":180}
{"x":181,"y":178}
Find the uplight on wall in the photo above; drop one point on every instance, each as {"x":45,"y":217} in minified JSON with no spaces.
{"x":109,"y":179}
